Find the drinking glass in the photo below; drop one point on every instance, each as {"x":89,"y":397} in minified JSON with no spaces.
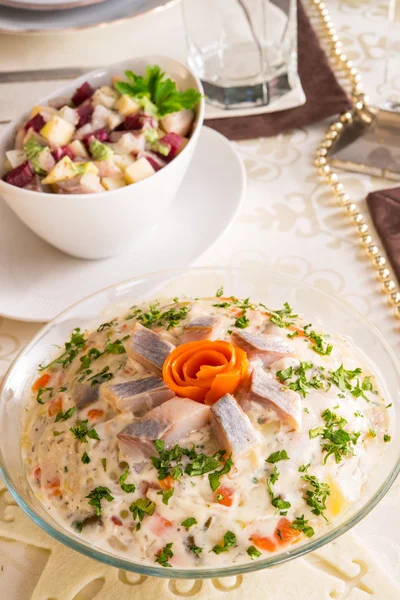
{"x":244,"y":51}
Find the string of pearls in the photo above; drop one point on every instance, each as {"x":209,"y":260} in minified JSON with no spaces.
{"x":360,"y":104}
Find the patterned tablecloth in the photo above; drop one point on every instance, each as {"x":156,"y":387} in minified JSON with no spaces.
{"x":288,"y":221}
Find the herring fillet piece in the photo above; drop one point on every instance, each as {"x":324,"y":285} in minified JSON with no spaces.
{"x":172,"y":421}
{"x":264,"y":389}
{"x":205,"y":327}
{"x":268,"y":348}
{"x":232,"y":426}
{"x":84,"y":394}
{"x":138,"y":396}
{"x":148,"y":348}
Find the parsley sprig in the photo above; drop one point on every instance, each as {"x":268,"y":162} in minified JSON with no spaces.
{"x":316,"y":495}
{"x":72,"y":349}
{"x":164,"y":556}
{"x":300,"y":524}
{"x":142,"y":507}
{"x":41,"y":391}
{"x":156,"y":316}
{"x":277,"y":501}
{"x":97,"y":495}
{"x":337,"y":441}
{"x":229,"y":542}
{"x":298,"y":379}
{"x":63,"y":416}
{"x":128,"y":488}
{"x":81,"y":432}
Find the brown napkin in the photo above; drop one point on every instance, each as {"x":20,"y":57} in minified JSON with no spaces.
{"x":384,"y":206}
{"x":324,"y":95}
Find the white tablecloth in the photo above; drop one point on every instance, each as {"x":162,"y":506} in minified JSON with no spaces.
{"x":288,"y":220}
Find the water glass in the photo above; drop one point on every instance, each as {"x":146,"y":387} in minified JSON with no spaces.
{"x":244,"y":51}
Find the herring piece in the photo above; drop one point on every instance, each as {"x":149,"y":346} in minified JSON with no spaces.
{"x":265,"y":390}
{"x":84,"y":394}
{"x":232,"y":426}
{"x":268,"y":348}
{"x":172,"y":421}
{"x":138,"y":396}
{"x":148,"y":348}
{"x":206,"y":327}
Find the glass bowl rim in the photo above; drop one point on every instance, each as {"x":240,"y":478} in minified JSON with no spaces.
{"x":204,"y":573}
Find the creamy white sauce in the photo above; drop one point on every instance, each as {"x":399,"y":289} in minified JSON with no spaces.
{"x":62,"y":481}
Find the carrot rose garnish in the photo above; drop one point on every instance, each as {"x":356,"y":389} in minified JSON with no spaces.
{"x":205,"y":371}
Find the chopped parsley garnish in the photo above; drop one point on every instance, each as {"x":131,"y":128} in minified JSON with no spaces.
{"x":157,"y":94}
{"x":229,"y":542}
{"x":292,"y":335}
{"x":188,"y":523}
{"x":372,"y":432}
{"x":169,"y":461}
{"x":342,"y":377}
{"x":283,"y":317}
{"x":154,"y":316}
{"x":142,"y":507}
{"x":300,"y":524}
{"x":97,"y":495}
{"x":166,"y":495}
{"x":85,"y":458}
{"x":253,"y":552}
{"x":104,"y":463}
{"x":387,"y":438}
{"x":337,"y":438}
{"x":276,"y":501}
{"x":72,"y":349}
{"x":242,"y":322}
{"x":81,"y":432}
{"x":389,"y":405}
{"x":115,"y":347}
{"x":102,"y":376}
{"x":128,"y":488}
{"x":318,"y":344}
{"x":202,"y":464}
{"x":164,"y":556}
{"x":106,"y":326}
{"x":299,"y":383}
{"x":60,"y":416}
{"x":277,"y":456}
{"x":219,"y":292}
{"x":280,"y":504}
{"x":40,"y":393}
{"x":214,"y":478}
{"x":304,"y":468}
{"x":56,"y":433}
{"x":316,"y":495}
{"x":87,"y":359}
{"x":196,"y":549}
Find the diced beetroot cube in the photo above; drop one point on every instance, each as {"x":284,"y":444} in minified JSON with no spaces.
{"x":99,"y":134}
{"x":61,"y":151}
{"x":20,"y":176}
{"x":85,"y":114}
{"x":173,"y":140}
{"x":138,"y":121}
{"x":83,"y":93}
{"x":154,"y":159}
{"x":36,"y":123}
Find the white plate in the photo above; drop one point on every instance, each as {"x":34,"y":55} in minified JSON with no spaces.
{"x":17,"y":20}
{"x":38,"y":281}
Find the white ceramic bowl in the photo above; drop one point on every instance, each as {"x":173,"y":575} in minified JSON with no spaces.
{"x":101,"y":225}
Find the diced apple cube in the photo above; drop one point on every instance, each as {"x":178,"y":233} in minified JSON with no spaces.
{"x":31,"y":133}
{"x":91,"y":183}
{"x":100,"y":116}
{"x":179,"y":122}
{"x":114,"y":119}
{"x":78,"y":149}
{"x":138,"y":170}
{"x":106,"y":96}
{"x":58,"y":131}
{"x":123,"y":160}
{"x":84,"y":131}
{"x":127,"y":106}
{"x":15,"y":158}
{"x":107,"y":168}
{"x":47,"y":112}
{"x":130,"y":142}
{"x":65,"y":169}
{"x":45,"y":160}
{"x":70,"y":115}
{"x":113,"y":183}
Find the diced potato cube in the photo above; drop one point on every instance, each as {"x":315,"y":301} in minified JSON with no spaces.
{"x":79,"y":149}
{"x":106,"y":96}
{"x":127,"y":105}
{"x":65,"y":169}
{"x":113,"y":120}
{"x":113,"y":183}
{"x":69,"y":114}
{"x":138,"y":170}
{"x":58,"y":131}
{"x":15,"y":158}
{"x":123,"y":160}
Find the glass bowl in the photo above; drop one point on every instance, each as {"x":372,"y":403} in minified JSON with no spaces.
{"x":263,"y":285}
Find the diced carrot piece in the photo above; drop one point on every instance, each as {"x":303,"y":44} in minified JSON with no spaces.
{"x":41,"y":381}
{"x":284,"y":533}
{"x":116,"y":521}
{"x":37,"y":473}
{"x":53,"y":483}
{"x":227,"y":496}
{"x":56,"y":493}
{"x":167,"y":483}
{"x":159,"y":525}
{"x":94,"y":413}
{"x":263,"y":543}
{"x":54,"y":407}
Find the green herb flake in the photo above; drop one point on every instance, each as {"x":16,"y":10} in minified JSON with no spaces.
{"x":40,"y":393}
{"x":304,"y":468}
{"x":72,"y":348}
{"x":253,"y":552}
{"x":277,"y":457}
{"x":229,"y":542}
{"x":387,"y":438}
{"x":164,"y":556}
{"x":60,"y":416}
{"x":142,"y":507}
{"x":316,"y":495}
{"x":85,"y":458}
{"x":97,"y":495}
{"x":214,"y":478}
{"x":300,"y":524}
{"x":106,"y":326}
{"x":338,"y":441}
{"x":196,"y":549}
{"x":219,"y":292}
{"x":128,"y":488}
{"x":166,"y":495}
{"x":104,"y":463}
{"x":81,"y":432}
{"x":188,"y":523}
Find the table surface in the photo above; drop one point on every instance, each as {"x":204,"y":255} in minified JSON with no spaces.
{"x":287,"y":213}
